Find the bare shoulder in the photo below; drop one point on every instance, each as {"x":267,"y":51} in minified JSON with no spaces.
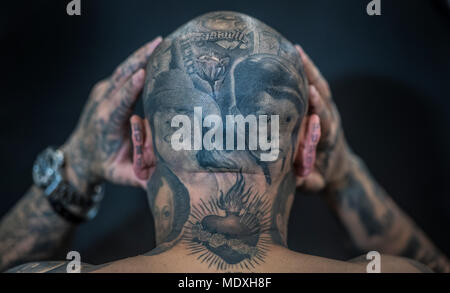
{"x":297,"y":262}
{"x":396,"y":264}
{"x":278,"y":260}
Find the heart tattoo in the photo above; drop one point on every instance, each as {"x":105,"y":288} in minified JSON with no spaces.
{"x":232,"y":230}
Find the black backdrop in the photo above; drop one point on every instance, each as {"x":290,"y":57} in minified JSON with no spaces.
{"x":389,"y":75}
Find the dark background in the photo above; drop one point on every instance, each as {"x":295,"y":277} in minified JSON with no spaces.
{"x":389,"y":75}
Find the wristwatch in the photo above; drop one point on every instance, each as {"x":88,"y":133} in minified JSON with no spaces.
{"x":62,"y":195}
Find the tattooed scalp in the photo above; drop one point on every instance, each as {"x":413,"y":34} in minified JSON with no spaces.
{"x":225,"y":206}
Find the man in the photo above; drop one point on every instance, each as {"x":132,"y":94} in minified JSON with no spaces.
{"x":236,"y":118}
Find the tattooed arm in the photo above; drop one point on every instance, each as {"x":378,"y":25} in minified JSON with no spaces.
{"x":372,"y":219}
{"x":375,"y":222}
{"x":97,"y":150}
{"x":31,"y":231}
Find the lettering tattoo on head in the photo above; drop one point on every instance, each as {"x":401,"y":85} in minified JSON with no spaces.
{"x":225,"y":97}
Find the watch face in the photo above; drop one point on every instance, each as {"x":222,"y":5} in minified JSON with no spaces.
{"x":47,"y":166}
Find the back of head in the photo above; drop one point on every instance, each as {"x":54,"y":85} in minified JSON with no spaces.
{"x":225,"y":97}
{"x":232,"y":66}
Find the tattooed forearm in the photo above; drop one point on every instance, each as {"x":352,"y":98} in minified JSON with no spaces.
{"x":375,"y":222}
{"x":31,"y":231}
{"x":98,"y":149}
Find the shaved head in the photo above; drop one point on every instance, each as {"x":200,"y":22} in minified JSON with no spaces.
{"x":225,"y":100}
{"x":225,"y":63}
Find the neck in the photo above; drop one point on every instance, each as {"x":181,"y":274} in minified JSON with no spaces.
{"x":231,"y":214}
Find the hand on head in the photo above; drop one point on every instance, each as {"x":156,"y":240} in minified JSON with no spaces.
{"x":99,"y":148}
{"x":330,"y":164}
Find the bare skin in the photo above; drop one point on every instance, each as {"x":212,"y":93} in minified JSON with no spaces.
{"x":219,"y":211}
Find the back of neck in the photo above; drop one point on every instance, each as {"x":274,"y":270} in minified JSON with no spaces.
{"x":231,"y":214}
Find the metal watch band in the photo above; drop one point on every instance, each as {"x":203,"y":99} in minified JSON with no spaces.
{"x":65,"y":213}
{"x":74,"y":207}
{"x":62,"y":195}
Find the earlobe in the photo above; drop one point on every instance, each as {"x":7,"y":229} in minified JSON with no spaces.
{"x":143,"y":156}
{"x":306,"y":154}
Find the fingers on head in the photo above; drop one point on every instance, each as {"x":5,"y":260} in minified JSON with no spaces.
{"x":135,"y":62}
{"x":138,"y":138}
{"x":143,"y":155}
{"x":137,"y":130}
{"x":313,"y":133}
{"x":149,"y":138}
{"x":304,"y":164}
{"x":319,"y":107}
{"x":123,"y":101}
{"x":313,"y":74}
{"x":311,"y":141}
{"x":315,"y":101}
{"x":129,"y":93}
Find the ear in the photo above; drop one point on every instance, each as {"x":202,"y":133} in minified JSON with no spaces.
{"x":306,"y":152}
{"x":144,"y":160}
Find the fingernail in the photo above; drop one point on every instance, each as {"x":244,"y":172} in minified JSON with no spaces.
{"x":313,"y":90}
{"x":153,"y":44}
{"x":300,"y":49}
{"x":138,"y":76}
